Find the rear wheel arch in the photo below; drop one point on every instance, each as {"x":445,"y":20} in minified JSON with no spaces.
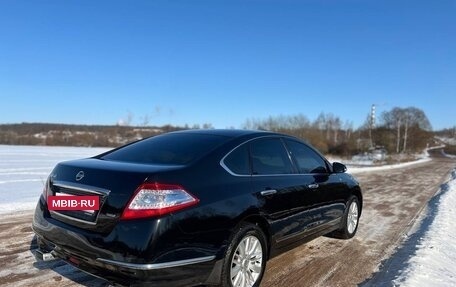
{"x":264,"y":226}
{"x":357,"y":192}
{"x":248,"y":227}
{"x":251,"y":218}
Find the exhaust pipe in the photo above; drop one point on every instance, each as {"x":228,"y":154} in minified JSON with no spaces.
{"x":44,"y":256}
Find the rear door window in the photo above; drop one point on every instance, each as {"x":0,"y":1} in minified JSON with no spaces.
{"x":269,"y":157}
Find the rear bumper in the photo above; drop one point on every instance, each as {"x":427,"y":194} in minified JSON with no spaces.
{"x":99,"y":256}
{"x":178,"y":273}
{"x":157,"y":266}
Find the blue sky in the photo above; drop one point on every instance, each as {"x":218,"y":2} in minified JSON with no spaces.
{"x":221,"y":62}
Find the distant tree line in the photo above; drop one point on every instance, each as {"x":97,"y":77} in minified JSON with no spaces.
{"x":328,"y":133}
{"x":399,"y":130}
{"x":76,"y":135}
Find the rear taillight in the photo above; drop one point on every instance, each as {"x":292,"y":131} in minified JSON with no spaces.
{"x":156,"y":199}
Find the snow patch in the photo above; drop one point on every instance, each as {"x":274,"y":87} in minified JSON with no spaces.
{"x":434,"y":262}
{"x":448,"y":140}
{"x":386,"y":167}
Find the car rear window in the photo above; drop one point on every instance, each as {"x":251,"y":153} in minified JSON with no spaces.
{"x":238,"y":161}
{"x":174,"y":149}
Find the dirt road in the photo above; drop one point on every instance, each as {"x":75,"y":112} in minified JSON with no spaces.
{"x":392,"y":200}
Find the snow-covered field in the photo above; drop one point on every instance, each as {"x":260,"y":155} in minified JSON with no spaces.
{"x":24,"y":170}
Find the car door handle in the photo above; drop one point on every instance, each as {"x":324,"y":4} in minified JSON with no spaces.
{"x":313,"y":185}
{"x":268,"y":192}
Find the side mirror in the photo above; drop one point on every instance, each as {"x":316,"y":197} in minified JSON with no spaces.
{"x":339,"y":167}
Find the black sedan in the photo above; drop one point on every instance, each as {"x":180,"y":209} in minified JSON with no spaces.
{"x":195,"y":207}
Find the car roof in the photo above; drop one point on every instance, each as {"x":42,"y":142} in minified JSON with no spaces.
{"x":227,"y":132}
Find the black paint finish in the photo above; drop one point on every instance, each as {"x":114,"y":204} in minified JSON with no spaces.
{"x":302,"y":207}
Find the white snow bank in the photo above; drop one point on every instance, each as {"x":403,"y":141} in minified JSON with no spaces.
{"x":434,"y":263}
{"x":385,"y":167}
{"x":24,"y":170}
{"x":448,"y":140}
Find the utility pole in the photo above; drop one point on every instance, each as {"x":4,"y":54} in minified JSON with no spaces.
{"x":371,"y":125}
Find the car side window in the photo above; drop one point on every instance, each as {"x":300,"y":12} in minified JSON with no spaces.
{"x":269,"y":156}
{"x":307,"y":160}
{"x":238,"y":161}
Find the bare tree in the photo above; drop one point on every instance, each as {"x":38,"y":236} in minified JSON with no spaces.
{"x":145,"y":120}
{"x":404,"y":120}
{"x":278,"y":123}
{"x":329,"y":125}
{"x":207,"y":126}
{"x":414,"y":118}
{"x":129,"y":119}
{"x":348,"y":127}
{"x":393,"y":120}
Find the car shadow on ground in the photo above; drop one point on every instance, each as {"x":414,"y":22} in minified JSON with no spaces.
{"x":66,"y":270}
{"x":391,"y":268}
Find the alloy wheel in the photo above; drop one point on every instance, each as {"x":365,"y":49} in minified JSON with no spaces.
{"x":352,"y":217}
{"x":247,"y":262}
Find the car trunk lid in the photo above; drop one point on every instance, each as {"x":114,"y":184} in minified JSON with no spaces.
{"x":114,"y":182}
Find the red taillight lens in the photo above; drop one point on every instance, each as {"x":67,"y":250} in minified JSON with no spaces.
{"x":156,"y":199}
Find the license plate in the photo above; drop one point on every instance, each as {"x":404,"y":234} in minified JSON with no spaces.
{"x":65,"y":201}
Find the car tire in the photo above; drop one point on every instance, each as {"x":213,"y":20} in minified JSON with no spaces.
{"x":245,"y":258}
{"x":350,"y":220}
